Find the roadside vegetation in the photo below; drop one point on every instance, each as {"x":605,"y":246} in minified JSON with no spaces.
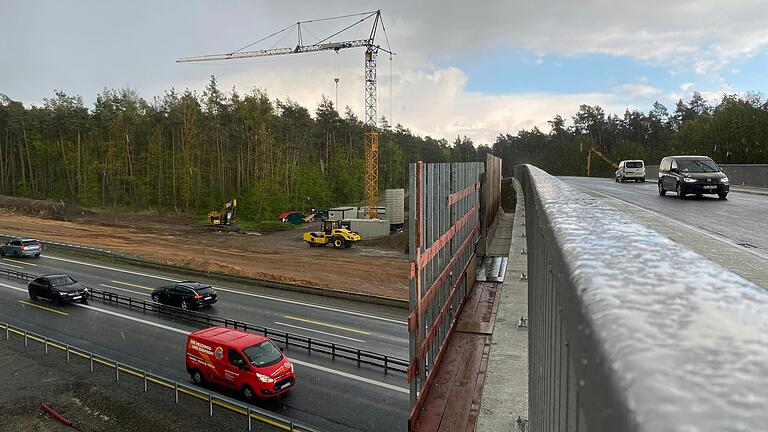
{"x":187,"y":153}
{"x":733,"y":131}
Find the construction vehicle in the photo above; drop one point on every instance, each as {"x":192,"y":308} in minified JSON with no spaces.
{"x":332,"y":233}
{"x":329,"y":43}
{"x":225,"y":217}
{"x":599,"y":153}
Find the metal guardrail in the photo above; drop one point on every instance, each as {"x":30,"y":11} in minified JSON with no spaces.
{"x":213,"y":399}
{"x":630,"y":331}
{"x":108,"y":254}
{"x":388,"y":363}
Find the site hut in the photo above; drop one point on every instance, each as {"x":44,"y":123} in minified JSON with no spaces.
{"x":340,"y":213}
{"x":292,"y":217}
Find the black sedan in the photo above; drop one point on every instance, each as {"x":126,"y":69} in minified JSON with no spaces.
{"x":58,"y":288}
{"x":186,"y":295}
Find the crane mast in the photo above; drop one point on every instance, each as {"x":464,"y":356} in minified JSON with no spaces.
{"x":371,"y":137}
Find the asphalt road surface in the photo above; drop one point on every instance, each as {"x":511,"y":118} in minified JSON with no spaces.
{"x":331,"y":395}
{"x":741,"y":220}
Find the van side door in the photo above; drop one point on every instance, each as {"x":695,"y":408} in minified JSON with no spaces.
{"x":234,"y":368}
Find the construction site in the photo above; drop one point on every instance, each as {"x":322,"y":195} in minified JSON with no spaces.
{"x":279,"y":256}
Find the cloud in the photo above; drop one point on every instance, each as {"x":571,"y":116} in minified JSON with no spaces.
{"x":707,"y":37}
{"x":431,"y":102}
{"x":638,"y":90}
{"x":686,"y":86}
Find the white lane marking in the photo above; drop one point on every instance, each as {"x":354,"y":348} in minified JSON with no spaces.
{"x":682,"y":224}
{"x":138,"y":320}
{"x":318,"y":331}
{"x":10,"y":265}
{"x":124,"y":289}
{"x":184,"y":332}
{"x":354,"y":377}
{"x":344,"y":311}
{"x":111,"y":268}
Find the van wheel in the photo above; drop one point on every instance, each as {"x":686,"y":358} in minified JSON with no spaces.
{"x":662,"y":191}
{"x":722,"y":196}
{"x":155,"y":298}
{"x":197,"y":377}
{"x":642,"y":180}
{"x":247,"y":393}
{"x":184,"y":304}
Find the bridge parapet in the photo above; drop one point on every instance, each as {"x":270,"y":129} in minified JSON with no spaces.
{"x":630,"y":331}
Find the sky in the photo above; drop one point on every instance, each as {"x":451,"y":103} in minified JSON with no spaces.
{"x":478,"y":69}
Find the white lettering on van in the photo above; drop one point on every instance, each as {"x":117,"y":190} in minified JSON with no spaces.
{"x":205,"y":349}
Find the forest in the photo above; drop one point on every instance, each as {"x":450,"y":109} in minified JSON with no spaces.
{"x":735,"y":130}
{"x":188,"y":152}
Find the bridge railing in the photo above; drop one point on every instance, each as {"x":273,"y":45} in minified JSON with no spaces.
{"x":629,"y":331}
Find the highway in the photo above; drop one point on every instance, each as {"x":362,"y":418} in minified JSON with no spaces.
{"x":331,"y":395}
{"x":733,"y":232}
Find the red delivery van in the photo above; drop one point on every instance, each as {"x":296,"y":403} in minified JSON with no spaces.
{"x":244,"y":362}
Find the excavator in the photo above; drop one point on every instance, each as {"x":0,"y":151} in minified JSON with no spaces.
{"x":225,"y":217}
{"x":332,"y":233}
{"x":599,"y":153}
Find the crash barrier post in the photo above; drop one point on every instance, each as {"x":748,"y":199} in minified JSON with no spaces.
{"x":630,"y":331}
{"x":252,"y":412}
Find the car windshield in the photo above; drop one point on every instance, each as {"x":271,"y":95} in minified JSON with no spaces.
{"x":30,"y":242}
{"x":61,"y":281}
{"x":701,"y":165}
{"x":634,"y":165}
{"x":263,"y":354}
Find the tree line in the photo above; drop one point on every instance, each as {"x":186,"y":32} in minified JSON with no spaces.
{"x":735,"y":130}
{"x":186,"y":152}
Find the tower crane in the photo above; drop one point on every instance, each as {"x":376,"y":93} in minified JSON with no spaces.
{"x":371,"y":137}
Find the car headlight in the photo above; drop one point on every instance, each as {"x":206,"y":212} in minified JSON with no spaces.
{"x":264,"y":378}
{"x":689,"y":180}
{"x":724,"y":180}
{"x":290,"y":366}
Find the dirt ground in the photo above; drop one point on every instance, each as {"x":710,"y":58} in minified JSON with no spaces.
{"x":377,"y":267}
{"x":94,"y":402}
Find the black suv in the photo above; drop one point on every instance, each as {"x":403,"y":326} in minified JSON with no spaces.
{"x":58,"y":288}
{"x":696,"y":175}
{"x":186,"y":295}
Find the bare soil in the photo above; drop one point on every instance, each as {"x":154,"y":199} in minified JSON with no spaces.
{"x":94,"y":402}
{"x":375,"y":267}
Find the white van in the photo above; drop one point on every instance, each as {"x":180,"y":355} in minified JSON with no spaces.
{"x":631,"y":170}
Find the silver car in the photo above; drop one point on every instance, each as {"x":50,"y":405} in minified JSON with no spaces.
{"x":22,"y":248}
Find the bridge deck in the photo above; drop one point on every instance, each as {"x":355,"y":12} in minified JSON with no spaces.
{"x":453,"y":397}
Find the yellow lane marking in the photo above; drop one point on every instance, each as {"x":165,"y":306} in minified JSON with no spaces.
{"x":133,"y":285}
{"x":20,"y":262}
{"x":43,"y":307}
{"x":325,"y":324}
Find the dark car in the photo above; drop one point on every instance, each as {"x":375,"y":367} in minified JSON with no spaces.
{"x":58,"y":288}
{"x":186,"y":295}
{"x":21,"y":248}
{"x":694,"y":175}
